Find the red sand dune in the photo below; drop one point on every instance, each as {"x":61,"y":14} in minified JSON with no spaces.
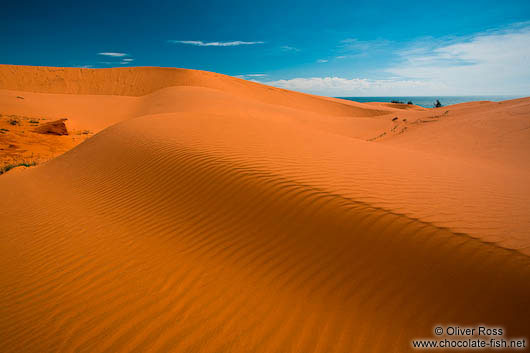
{"x":212,"y":214}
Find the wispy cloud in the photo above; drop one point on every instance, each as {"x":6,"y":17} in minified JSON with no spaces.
{"x":289,"y":48}
{"x":355,"y":48}
{"x":119,"y":57}
{"x":115,"y":55}
{"x":495,"y":62}
{"x":200,"y":43}
{"x":354,"y":44}
{"x":251,"y":76}
{"x":321,"y":61}
{"x":338,"y":86}
{"x":114,"y":63}
{"x":492,"y":62}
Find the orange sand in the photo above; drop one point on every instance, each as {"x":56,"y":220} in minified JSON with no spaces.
{"x":212,"y":214}
{"x":34,"y":140}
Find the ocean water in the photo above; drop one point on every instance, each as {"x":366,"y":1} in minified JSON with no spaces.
{"x":428,"y":101}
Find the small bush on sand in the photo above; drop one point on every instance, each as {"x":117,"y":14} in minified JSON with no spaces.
{"x":13,"y":121}
{"x":410,"y":102}
{"x":8,"y":167}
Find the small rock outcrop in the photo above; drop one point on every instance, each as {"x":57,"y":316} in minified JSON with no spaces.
{"x":57,"y":127}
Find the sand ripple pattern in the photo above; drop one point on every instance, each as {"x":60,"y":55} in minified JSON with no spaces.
{"x":147,"y":238}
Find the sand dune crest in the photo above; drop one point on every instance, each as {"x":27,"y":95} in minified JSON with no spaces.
{"x":205,"y":217}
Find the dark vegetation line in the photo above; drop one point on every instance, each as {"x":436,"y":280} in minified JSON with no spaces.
{"x":8,"y":167}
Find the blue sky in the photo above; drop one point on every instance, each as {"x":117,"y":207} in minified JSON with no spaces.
{"x":336,"y":48}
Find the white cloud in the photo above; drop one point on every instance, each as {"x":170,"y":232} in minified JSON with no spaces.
{"x":338,"y":86}
{"x":289,"y":48}
{"x":353,"y":47}
{"x":496,"y":62}
{"x":122,"y":61}
{"x":354,"y":44}
{"x":493,"y":62}
{"x":200,"y":43}
{"x":251,"y":77}
{"x":115,"y":55}
{"x":321,"y":61}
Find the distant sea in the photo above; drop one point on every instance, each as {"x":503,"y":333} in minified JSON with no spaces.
{"x":428,"y":102}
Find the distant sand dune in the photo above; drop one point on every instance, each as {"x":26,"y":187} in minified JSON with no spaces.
{"x":145,"y":80}
{"x":207,"y":218}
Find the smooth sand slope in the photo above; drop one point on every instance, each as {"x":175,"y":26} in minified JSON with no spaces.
{"x":211,"y":214}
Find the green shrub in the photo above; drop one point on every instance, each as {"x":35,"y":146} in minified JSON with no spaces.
{"x":8,"y":167}
{"x":14,"y":121}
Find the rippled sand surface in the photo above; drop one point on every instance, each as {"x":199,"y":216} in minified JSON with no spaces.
{"x":212,"y":214}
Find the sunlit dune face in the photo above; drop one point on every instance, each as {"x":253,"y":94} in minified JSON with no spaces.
{"x":186,"y":211}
